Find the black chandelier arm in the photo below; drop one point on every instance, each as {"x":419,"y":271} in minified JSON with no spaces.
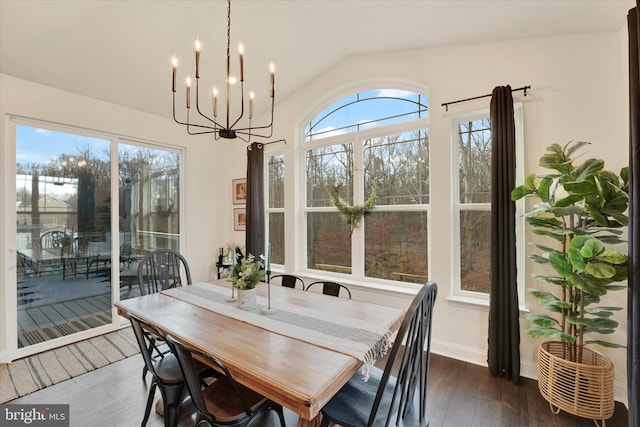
{"x":216,"y":125}
{"x":188,"y":125}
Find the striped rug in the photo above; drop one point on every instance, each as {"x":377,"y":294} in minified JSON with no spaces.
{"x":36,"y":372}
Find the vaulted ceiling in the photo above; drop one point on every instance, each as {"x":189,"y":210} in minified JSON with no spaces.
{"x":119,"y":51}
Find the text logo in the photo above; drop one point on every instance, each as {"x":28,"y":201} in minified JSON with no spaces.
{"x":34,"y":415}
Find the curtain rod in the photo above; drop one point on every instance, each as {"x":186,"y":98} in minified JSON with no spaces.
{"x":446,"y":104}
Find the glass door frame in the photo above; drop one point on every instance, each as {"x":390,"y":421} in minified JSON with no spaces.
{"x":9,"y":349}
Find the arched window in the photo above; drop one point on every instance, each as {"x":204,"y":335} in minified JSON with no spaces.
{"x":376,"y":140}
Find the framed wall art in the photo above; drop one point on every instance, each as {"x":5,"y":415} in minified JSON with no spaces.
{"x":239,"y":191}
{"x":239,"y":219}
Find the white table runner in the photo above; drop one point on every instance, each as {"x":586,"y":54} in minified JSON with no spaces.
{"x":354,"y":337}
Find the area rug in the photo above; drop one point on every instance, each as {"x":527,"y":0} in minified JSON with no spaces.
{"x":42,"y":370}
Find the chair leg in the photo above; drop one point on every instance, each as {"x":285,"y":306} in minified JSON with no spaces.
{"x":147,"y":411}
{"x":325,"y":420}
{"x":280,"y":413}
{"x":172,"y":397}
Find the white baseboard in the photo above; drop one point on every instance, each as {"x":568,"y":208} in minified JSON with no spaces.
{"x":528,"y":369}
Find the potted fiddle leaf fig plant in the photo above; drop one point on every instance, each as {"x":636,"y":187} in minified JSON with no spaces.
{"x":580,"y":217}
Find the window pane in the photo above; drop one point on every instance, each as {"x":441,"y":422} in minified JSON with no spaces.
{"x":474,"y":141}
{"x":63,"y":234}
{"x":276,"y":181}
{"x":329,"y":168}
{"x":399,"y":165}
{"x":276,"y":237}
{"x":475,"y":250}
{"x":396,"y":246}
{"x":367,"y":110}
{"x":328,"y":242}
{"x":154,"y":199}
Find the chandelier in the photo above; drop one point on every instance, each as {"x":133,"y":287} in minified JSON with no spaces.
{"x":226,"y":128}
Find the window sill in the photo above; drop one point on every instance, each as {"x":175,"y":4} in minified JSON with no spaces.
{"x":476,"y":303}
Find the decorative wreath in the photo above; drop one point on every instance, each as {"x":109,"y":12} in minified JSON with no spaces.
{"x":353,"y":214}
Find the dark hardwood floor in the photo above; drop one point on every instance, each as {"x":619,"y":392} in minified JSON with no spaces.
{"x":460,"y":394}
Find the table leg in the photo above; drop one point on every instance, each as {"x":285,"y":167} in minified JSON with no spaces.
{"x":314,"y":422}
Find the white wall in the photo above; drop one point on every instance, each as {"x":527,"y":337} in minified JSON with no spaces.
{"x":578,"y":92}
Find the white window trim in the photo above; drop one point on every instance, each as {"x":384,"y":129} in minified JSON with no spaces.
{"x":458,"y":295}
{"x":357,"y":276}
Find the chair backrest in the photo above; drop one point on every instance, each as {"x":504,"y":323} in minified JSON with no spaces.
{"x":58,"y":240}
{"x":162,"y":269}
{"x":144,"y":340}
{"x":331,"y":288}
{"x":189,"y":371}
{"x":289,"y":280}
{"x":409,"y":356}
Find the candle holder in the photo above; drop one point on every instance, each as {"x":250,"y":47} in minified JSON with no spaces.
{"x":232,"y":298}
{"x":268,"y":309}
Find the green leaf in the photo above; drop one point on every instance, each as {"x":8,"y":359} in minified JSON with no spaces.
{"x":587,"y":168}
{"x":604,"y":344}
{"x":567,"y":210}
{"x":551,"y":279}
{"x":595,"y":310}
{"x":520,"y":192}
{"x":568,"y":201}
{"x":560,"y":265}
{"x":589,"y":285}
{"x":539,"y":258}
{"x":600,"y":270}
{"x":543,"y":320}
{"x":542,"y":232}
{"x":576,"y":259}
{"x":543,"y":188}
{"x":612,"y":257}
{"x":540,"y":332}
{"x":572,"y":146}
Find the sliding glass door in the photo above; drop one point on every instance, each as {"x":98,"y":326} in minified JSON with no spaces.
{"x":63,"y":230}
{"x":76,"y":240}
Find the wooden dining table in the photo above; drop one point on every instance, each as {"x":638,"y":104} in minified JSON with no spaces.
{"x":300,"y":374}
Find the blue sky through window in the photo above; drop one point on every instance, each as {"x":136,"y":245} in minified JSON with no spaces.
{"x":369,"y":109}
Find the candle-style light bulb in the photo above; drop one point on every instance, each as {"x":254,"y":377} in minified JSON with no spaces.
{"x":252,"y":95}
{"x":198,"y":45}
{"x":174,"y":62}
{"x":188,"y":82}
{"x":215,"y":102}
{"x":241,"y":52}
{"x":272,"y":68}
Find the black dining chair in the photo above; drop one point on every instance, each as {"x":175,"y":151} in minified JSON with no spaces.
{"x":288,"y":280}
{"x":162,"y":269}
{"x":331,"y":288}
{"x":224,"y":402}
{"x":165,"y":369}
{"x":396,"y":395}
{"x":159,"y":270}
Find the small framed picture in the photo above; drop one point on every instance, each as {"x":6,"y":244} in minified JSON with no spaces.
{"x":239,"y":191}
{"x":239,"y":219}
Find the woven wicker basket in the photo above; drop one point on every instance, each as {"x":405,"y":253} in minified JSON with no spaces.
{"x":583,"y":389}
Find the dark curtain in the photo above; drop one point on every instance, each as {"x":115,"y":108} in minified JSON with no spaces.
{"x":504,"y":326}
{"x":633,"y":298}
{"x":255,"y":200}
